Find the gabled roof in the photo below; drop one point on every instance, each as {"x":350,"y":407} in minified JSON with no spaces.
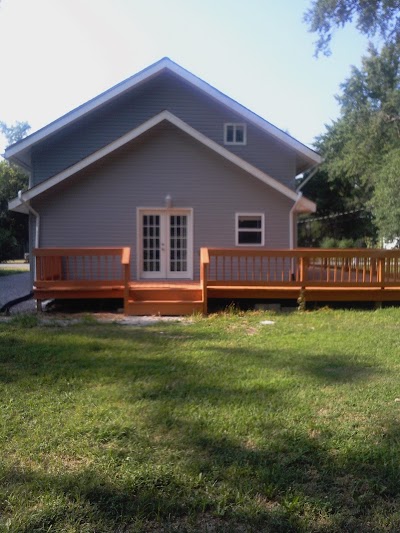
{"x":20,"y":152}
{"x":303,"y":204}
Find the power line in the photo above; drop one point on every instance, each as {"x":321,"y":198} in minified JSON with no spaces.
{"x":334,"y":215}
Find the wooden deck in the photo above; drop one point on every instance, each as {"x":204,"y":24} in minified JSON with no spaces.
{"x":313,"y":275}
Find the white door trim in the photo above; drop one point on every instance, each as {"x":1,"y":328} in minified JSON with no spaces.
{"x":165,"y":214}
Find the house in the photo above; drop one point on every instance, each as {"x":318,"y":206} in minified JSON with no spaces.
{"x":162,"y":165}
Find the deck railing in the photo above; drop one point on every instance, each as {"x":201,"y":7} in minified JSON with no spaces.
{"x":303,"y":267}
{"x":82,"y":266}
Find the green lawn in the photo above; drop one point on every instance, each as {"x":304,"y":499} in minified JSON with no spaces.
{"x":4,"y":271}
{"x":224,"y":424}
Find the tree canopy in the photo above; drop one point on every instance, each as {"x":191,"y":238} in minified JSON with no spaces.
{"x":13,"y":226}
{"x":15,"y":132}
{"x":372,"y":18}
{"x":362,"y":148}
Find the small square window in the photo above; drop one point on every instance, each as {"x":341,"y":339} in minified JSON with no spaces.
{"x":249,"y":229}
{"x":235,"y":134}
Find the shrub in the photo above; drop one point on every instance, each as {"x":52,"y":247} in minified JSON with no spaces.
{"x":8,"y":245}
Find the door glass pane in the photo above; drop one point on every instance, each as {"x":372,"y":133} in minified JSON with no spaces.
{"x":151,"y":243}
{"x":178,"y":243}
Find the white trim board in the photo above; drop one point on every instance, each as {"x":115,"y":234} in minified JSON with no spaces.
{"x":259,"y":230}
{"x":304,"y":205}
{"x":19,"y":152}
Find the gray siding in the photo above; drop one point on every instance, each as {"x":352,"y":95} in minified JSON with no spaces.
{"x":98,"y":207}
{"x":130,"y":110}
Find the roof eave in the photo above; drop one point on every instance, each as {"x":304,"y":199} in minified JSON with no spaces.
{"x":17,"y":206}
{"x":306,"y":206}
{"x":144,"y":75}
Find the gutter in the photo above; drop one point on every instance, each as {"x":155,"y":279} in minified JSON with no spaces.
{"x":311,"y":174}
{"x":36,"y":215}
{"x":296,"y":203}
{"x":37,"y":227}
{"x":291,"y":219}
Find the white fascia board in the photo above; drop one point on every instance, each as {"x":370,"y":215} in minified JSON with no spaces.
{"x":133,"y":134}
{"x":144,"y":75}
{"x":87,"y":107}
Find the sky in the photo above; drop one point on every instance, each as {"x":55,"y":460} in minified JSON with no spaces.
{"x":57,"y":54}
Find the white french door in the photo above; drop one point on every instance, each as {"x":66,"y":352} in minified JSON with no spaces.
{"x":165,"y":238}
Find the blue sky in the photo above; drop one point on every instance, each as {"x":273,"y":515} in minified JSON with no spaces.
{"x":57,"y":54}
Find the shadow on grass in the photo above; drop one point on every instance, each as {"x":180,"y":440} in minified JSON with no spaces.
{"x":294,"y":484}
{"x":337,"y":369}
{"x":290,"y":479}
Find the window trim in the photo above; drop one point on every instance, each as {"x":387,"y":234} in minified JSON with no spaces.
{"x":235,"y":125}
{"x":262,"y":229}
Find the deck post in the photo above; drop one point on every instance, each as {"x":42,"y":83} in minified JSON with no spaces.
{"x":381,"y":271}
{"x":126,"y":262}
{"x":303,"y":269}
{"x":204,"y":264}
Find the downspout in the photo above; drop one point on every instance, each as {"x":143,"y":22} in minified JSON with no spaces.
{"x":311,"y":174}
{"x":291,"y":233}
{"x":36,"y":215}
{"x":37,"y":226}
{"x":299,"y":195}
{"x":291,"y":220}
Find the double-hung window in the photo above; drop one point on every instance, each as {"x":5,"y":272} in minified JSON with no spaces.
{"x":235,"y":134}
{"x":250,"y":229}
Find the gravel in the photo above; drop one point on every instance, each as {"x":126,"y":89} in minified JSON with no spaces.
{"x":15,"y":286}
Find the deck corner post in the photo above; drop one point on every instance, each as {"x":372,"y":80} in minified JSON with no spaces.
{"x":39,"y":307}
{"x":126,"y":262}
{"x":204,"y":264}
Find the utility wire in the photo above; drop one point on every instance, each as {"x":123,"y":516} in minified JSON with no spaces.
{"x":334,"y":215}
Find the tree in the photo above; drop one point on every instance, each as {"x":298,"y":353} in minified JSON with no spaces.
{"x":361,"y":149}
{"x":13,"y":226}
{"x":15,"y":132}
{"x":372,"y":18}
{"x":386,"y":199}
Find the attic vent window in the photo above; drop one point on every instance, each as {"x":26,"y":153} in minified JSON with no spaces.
{"x":235,"y":134}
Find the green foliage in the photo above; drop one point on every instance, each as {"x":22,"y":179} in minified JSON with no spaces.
{"x":379,"y":18}
{"x":341,"y":215}
{"x":15,"y":132}
{"x":386,"y":200}
{"x":8,"y":245}
{"x":13,"y":226}
{"x":361,"y":149}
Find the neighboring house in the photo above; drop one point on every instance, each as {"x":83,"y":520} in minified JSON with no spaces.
{"x":165,"y":164}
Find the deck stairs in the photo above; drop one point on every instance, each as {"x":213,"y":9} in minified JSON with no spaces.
{"x":164,"y":299}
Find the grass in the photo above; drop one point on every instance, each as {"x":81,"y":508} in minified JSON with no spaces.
{"x":4,"y":271}
{"x":224,"y":424}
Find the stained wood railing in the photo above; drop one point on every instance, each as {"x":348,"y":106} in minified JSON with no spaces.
{"x":301,"y":267}
{"x":204,"y":266}
{"x":85,"y":268}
